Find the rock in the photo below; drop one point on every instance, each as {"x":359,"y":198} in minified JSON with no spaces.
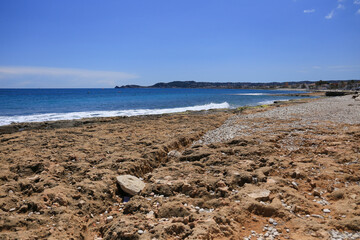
{"x":220,"y":184}
{"x":173,"y":209}
{"x":317,"y":216}
{"x":337,"y":194}
{"x":270,"y":181}
{"x":262,"y":210}
{"x":136,"y":206}
{"x":194,"y":157}
{"x":261,"y":194}
{"x":174,"y":154}
{"x":350,"y":223}
{"x":240,"y":178}
{"x":130,"y":184}
{"x":150,"y":215}
{"x":326,"y":210}
{"x":109,"y":218}
{"x":179,"y":230}
{"x":295,"y":185}
{"x":316,"y":193}
{"x":297,"y":174}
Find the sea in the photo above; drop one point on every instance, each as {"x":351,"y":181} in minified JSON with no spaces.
{"x":38,"y":105}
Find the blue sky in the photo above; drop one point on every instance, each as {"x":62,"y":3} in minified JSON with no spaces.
{"x":88,"y":43}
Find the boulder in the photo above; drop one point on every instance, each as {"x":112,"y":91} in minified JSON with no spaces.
{"x":130,"y":184}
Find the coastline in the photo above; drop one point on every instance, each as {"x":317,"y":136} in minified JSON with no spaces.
{"x":20,"y":126}
{"x":81,"y":104}
{"x":209,"y":186}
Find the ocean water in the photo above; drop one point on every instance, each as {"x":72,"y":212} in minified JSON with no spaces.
{"x":36,"y":105}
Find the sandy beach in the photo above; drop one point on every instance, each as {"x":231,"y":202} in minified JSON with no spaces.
{"x":288,"y":171}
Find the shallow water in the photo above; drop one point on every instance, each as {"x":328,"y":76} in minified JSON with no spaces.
{"x":34,"y":105}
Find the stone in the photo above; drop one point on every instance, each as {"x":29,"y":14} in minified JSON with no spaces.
{"x":150,"y":215}
{"x":270,"y":181}
{"x":326,"y":210}
{"x":130,"y":184}
{"x":109,"y":218}
{"x":174,"y":154}
{"x":295,"y":185}
{"x":261,"y":194}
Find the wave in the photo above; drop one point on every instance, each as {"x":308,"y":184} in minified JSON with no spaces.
{"x":6,"y":120}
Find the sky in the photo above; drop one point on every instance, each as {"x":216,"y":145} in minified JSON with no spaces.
{"x":103,"y":43}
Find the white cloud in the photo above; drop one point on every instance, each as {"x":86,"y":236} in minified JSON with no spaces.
{"x":358,"y":11}
{"x":341,"y":6}
{"x":60,"y":77}
{"x":316,"y":67}
{"x":330,"y":15}
{"x":309,"y":11}
{"x":357,"y":2}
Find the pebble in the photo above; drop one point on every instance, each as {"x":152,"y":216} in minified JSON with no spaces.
{"x":140,"y":231}
{"x":109,"y":218}
{"x":296,"y":186}
{"x":326,"y":210}
{"x":343,"y":113}
{"x":271,"y":233}
{"x":12,"y":209}
{"x":344,"y":235}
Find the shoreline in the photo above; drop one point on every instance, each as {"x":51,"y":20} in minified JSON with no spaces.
{"x":50,"y":114}
{"x":20,"y":126}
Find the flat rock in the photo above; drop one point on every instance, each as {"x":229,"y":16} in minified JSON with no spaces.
{"x":261,"y":194}
{"x":130,"y":184}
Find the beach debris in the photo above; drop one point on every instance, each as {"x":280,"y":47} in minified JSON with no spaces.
{"x":130,"y":184}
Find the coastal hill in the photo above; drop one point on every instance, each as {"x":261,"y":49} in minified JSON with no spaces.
{"x":333,"y":84}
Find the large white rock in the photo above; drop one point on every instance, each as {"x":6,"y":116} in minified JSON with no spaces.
{"x":130,"y":184}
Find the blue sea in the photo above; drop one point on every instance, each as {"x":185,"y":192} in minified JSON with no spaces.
{"x":37,"y":105}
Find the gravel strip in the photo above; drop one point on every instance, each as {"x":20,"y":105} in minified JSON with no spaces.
{"x":333,"y":110}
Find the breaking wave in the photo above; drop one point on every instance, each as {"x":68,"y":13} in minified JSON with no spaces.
{"x":6,"y":120}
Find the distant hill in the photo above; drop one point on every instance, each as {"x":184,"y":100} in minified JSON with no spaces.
{"x":243,"y":85}
{"x":193,"y":84}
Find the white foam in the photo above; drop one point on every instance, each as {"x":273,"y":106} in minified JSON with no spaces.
{"x":6,"y":120}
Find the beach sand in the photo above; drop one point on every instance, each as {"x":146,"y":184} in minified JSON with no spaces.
{"x":289,"y":171}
